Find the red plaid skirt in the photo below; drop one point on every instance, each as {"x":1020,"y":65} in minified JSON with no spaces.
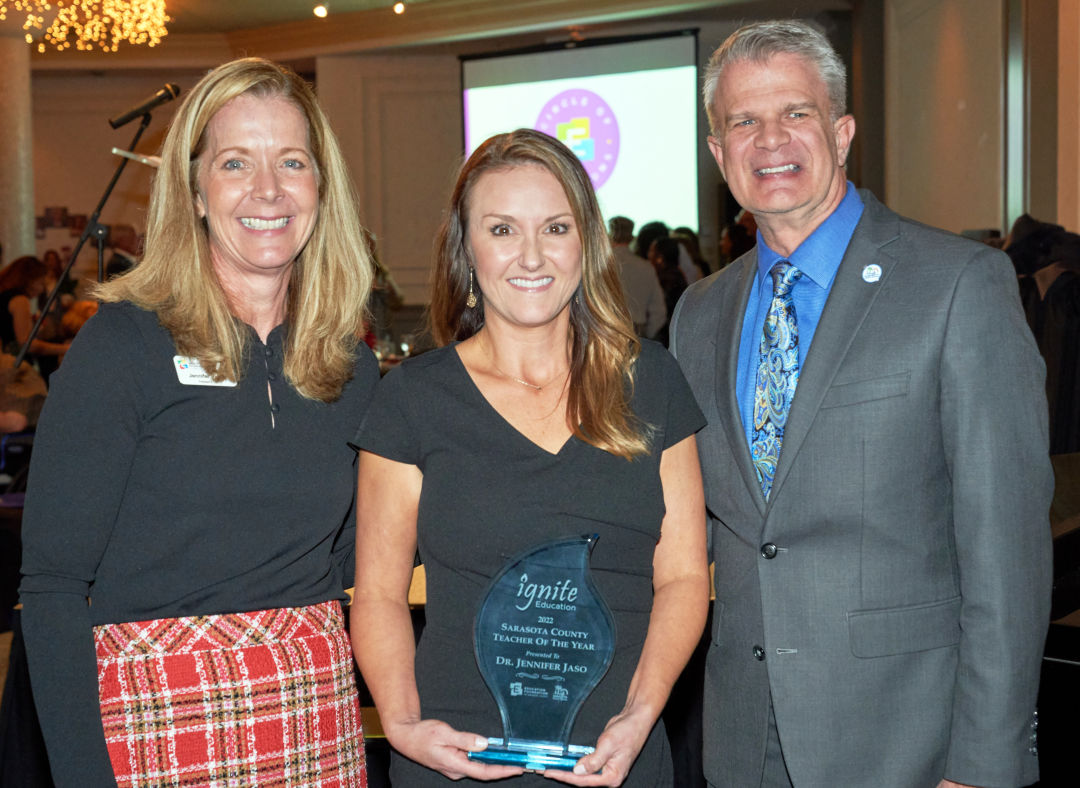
{"x":261,"y":698}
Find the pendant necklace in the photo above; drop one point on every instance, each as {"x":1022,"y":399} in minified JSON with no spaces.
{"x":533,"y":386}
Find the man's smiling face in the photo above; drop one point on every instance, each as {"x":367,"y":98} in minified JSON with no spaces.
{"x":779,"y":151}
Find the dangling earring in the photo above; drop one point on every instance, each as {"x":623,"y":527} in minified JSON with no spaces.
{"x":470,"y":300}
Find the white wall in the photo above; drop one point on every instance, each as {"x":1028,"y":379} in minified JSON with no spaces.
{"x":399,"y":122}
{"x":944,"y":112}
{"x":72,"y":143}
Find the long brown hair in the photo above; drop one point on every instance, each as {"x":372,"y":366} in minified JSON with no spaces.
{"x":604,"y":346}
{"x":330,"y":278}
{"x":20,"y":272}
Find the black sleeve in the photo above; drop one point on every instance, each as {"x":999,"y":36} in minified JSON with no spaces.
{"x":388,"y":429}
{"x":677,"y":409}
{"x":83,"y":451}
{"x":365,"y":379}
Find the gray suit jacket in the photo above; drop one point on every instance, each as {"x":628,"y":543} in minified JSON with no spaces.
{"x":893,"y":595}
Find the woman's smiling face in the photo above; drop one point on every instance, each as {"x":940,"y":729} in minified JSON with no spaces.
{"x":258,"y":185}
{"x":524,"y":244}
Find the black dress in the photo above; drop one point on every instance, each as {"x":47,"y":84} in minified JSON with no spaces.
{"x":488,"y":494}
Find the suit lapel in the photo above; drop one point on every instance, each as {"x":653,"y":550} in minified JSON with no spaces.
{"x":732,"y":310}
{"x":845,"y":310}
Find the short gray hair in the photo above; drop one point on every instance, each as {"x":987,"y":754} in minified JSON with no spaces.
{"x":760,"y":41}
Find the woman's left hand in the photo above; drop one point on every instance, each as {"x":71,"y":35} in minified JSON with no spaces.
{"x":616,"y":750}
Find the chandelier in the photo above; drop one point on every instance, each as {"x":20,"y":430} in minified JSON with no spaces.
{"x":89,"y":23}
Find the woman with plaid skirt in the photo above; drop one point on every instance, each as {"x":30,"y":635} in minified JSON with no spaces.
{"x":188,"y":526}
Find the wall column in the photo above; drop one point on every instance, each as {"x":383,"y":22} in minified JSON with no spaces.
{"x":944,"y":112}
{"x":16,"y":151}
{"x":1068,"y":147}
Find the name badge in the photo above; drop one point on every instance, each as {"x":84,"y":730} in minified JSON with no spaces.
{"x":190,"y":373}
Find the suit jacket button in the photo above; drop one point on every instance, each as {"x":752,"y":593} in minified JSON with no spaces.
{"x":768,"y":550}
{"x":759,"y":653}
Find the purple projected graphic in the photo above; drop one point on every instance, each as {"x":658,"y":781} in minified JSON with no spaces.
{"x":585,"y":123}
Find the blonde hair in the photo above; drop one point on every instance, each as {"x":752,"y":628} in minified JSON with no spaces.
{"x":330,"y":279}
{"x":604,"y":346}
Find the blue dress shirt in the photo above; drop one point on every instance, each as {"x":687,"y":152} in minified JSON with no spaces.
{"x":818,"y":257}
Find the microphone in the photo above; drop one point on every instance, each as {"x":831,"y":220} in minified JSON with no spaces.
{"x":166,"y":94}
{"x":149,"y":161}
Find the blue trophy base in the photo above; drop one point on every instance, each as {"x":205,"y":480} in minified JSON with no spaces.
{"x":532,"y":755}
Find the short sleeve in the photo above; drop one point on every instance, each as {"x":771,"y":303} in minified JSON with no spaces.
{"x":365,"y":376}
{"x":677,"y":409}
{"x":389,"y":428}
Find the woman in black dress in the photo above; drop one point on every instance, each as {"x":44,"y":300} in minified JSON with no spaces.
{"x":21,"y":281}
{"x":541,"y":416}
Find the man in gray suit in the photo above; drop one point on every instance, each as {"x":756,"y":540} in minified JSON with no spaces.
{"x":875,"y":463}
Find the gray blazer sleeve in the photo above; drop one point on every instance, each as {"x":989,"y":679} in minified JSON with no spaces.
{"x":994,"y":423}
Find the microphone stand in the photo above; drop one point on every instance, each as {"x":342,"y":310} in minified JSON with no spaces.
{"x":99,"y":231}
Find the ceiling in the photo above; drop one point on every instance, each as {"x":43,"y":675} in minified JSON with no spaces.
{"x":228,"y":16}
{"x":224,"y":16}
{"x":203,"y":33}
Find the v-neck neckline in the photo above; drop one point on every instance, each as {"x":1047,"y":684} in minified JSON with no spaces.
{"x":487,"y":404}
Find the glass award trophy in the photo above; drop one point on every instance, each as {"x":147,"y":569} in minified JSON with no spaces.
{"x":544,"y":638}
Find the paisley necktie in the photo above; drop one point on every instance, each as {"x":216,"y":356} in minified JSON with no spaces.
{"x":777,"y":375}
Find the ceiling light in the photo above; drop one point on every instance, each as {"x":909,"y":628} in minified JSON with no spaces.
{"x":320,"y":11}
{"x":399,"y":8}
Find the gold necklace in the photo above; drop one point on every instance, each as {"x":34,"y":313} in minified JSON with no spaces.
{"x":533,"y":386}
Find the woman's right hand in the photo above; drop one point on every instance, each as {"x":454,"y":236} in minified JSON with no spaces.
{"x":434,"y":744}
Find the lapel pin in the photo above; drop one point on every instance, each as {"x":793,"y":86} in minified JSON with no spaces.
{"x":871,"y":273}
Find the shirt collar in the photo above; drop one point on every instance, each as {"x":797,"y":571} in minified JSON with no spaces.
{"x":819,"y":256}
{"x":277,"y":337}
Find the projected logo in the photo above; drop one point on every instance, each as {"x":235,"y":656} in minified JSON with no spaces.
{"x":585,"y":123}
